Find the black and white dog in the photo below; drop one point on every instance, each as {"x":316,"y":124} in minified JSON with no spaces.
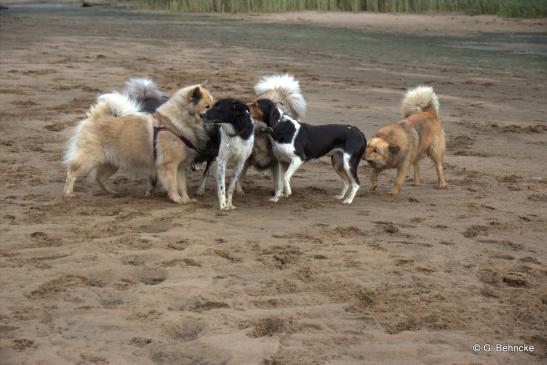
{"x":294,"y":143}
{"x":236,"y":144}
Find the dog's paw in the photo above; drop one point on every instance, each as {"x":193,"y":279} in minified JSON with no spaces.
{"x":339,"y":196}
{"x":443,"y":186}
{"x":393,"y":192}
{"x":200,"y":192}
{"x":347,"y":201}
{"x":181,"y":200}
{"x":275,"y":199}
{"x":68,"y":195}
{"x":178,"y":200}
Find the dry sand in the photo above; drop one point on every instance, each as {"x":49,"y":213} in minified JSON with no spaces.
{"x":418,"y":279}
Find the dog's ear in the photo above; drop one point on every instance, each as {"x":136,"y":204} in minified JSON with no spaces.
{"x":274,"y":116}
{"x":195,"y":95}
{"x":394,"y":149}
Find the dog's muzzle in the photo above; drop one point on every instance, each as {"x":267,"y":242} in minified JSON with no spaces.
{"x":371,"y":163}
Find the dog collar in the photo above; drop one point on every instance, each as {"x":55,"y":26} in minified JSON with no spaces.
{"x":162,"y":120}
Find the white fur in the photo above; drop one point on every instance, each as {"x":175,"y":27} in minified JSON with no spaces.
{"x":142,"y":88}
{"x":72,"y":145}
{"x":119,"y":105}
{"x":289,"y":86}
{"x":418,"y":99}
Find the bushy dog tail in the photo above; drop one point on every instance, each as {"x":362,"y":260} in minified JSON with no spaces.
{"x":115,"y":104}
{"x":111,"y":104}
{"x":419,"y":99}
{"x":141,"y":88}
{"x":288,"y":86}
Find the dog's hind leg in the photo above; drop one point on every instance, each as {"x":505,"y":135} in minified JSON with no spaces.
{"x":204,"y":176}
{"x":351,"y":165}
{"x":437,"y":153}
{"x":233,"y":181}
{"x":337,"y":160}
{"x":416,"y":180}
{"x":104,"y":172}
{"x":75,"y":170}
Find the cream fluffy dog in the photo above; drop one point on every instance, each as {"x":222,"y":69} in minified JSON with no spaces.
{"x":116,"y":135}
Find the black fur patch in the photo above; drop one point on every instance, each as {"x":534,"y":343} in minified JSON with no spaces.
{"x":269,"y":111}
{"x":234,"y":112}
{"x":394,"y":149}
{"x":283,"y":132}
{"x":150,"y":105}
{"x":196,"y":95}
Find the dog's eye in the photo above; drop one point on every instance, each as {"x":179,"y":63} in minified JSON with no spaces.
{"x":375,"y":150}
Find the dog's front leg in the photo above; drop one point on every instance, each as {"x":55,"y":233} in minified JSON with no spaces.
{"x":278,"y":182}
{"x":400,"y":179}
{"x":181,"y":182}
{"x":167,"y":172}
{"x":233,"y":181}
{"x":274,"y":169}
{"x":239,"y":183}
{"x":295,"y":164}
{"x":221,"y":188}
{"x":201,"y":188}
{"x":152,"y":181}
{"x":374,"y":179}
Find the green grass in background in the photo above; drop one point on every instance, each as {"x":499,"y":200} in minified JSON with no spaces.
{"x":507,"y":8}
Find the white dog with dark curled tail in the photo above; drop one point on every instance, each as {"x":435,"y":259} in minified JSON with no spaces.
{"x":236,"y":144}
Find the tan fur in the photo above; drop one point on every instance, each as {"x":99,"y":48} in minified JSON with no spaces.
{"x":416,"y":136}
{"x":104,"y":143}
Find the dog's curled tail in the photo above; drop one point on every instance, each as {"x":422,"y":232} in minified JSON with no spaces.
{"x":141,"y":88}
{"x":288,"y":86}
{"x":419,"y":99}
{"x":115,"y":104}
